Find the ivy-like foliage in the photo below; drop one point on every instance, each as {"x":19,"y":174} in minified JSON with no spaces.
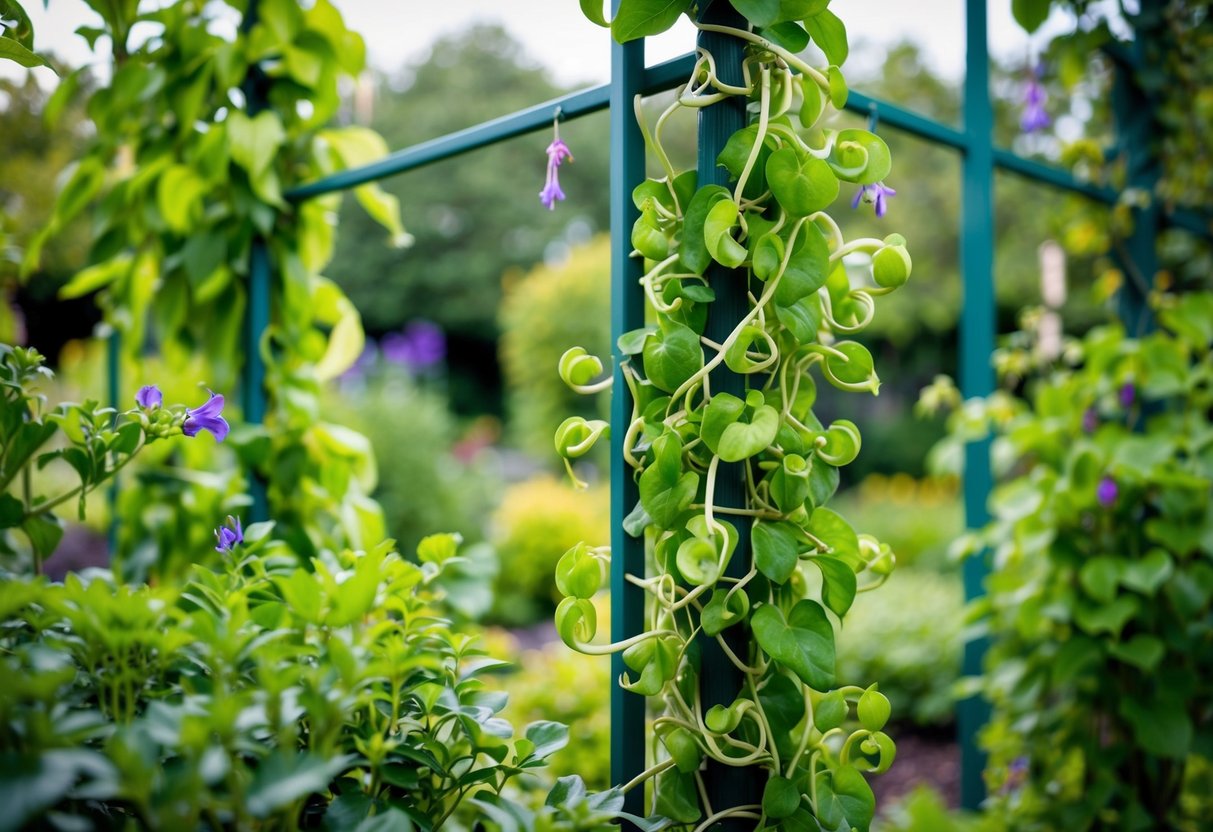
{"x":1099,"y":608}
{"x":791,"y":725}
{"x":201,"y":129}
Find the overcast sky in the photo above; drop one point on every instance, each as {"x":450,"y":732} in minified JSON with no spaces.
{"x":556,"y":35}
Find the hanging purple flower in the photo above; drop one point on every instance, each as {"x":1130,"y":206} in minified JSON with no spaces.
{"x":228,"y":536}
{"x":1106,"y":492}
{"x":149,"y":397}
{"x":207,"y":417}
{"x":1127,"y":395}
{"x":1034,"y":116}
{"x":558,"y":151}
{"x":876,"y":194}
{"x":420,"y":345}
{"x":1090,"y":420}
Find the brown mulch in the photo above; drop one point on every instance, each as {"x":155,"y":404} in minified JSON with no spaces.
{"x":931,"y":759}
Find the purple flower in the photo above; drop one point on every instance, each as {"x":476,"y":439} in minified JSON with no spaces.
{"x":557,"y":151}
{"x":1090,"y":420}
{"x":206,"y":417}
{"x":876,"y":193}
{"x":149,"y":397}
{"x":1106,"y":492}
{"x":228,"y":536}
{"x":420,"y":345}
{"x":1127,"y":395}
{"x":1034,"y":116}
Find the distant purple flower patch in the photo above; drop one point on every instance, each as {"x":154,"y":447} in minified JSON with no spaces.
{"x":207,"y":417}
{"x":1090,"y":420}
{"x":149,"y":397}
{"x":1107,"y":492}
{"x":229,"y":535}
{"x":1127,"y":395}
{"x":1034,"y":116}
{"x":557,"y":151}
{"x":420,"y":345}
{"x":876,"y":194}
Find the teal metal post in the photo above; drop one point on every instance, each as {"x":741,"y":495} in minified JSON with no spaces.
{"x":1136,"y":133}
{"x":113,"y":381}
{"x":257,"y":312}
{"x":720,"y":680}
{"x":627,"y":313}
{"x":977,"y":328}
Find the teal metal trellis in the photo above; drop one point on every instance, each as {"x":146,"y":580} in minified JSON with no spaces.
{"x":629,"y":78}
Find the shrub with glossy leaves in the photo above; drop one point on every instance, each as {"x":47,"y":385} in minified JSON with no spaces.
{"x":1100,"y":606}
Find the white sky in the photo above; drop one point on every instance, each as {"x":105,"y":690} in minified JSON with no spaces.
{"x":556,"y":34}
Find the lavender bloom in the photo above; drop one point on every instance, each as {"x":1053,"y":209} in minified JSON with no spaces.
{"x":1128,"y":394}
{"x":1090,"y":420}
{"x":1034,"y":116}
{"x":149,"y":397}
{"x":1106,"y":492}
{"x":876,"y":193}
{"x":229,"y":536}
{"x":557,"y":151}
{"x":419,"y":346}
{"x":206,"y":417}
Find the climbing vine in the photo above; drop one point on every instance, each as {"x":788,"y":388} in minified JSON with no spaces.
{"x":203,"y":127}
{"x":810,"y":290}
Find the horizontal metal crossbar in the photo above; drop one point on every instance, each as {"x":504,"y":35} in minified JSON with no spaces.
{"x":666,"y":76}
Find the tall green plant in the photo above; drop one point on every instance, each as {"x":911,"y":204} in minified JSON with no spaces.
{"x":197,"y":135}
{"x":1100,"y":603}
{"x":791,"y":724}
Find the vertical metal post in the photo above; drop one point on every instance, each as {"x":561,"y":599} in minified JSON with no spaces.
{"x":257,"y":311}
{"x":1133,"y":112}
{"x":113,"y":381}
{"x":977,"y":329}
{"x":627,"y":313}
{"x":720,"y":680}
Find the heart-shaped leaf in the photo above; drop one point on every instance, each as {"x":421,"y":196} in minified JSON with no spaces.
{"x":803,"y":642}
{"x":666,"y":490}
{"x":776,"y":551}
{"x":672,"y":355}
{"x":801,"y":183}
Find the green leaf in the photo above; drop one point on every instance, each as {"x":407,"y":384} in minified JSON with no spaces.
{"x":1162,"y":727}
{"x":788,"y":34}
{"x":284,"y":778}
{"x":839,"y":583}
{"x":724,"y":610}
{"x":672,"y":355}
{"x":677,"y":798}
{"x":254,"y":142}
{"x":1149,"y":573}
{"x":860,"y":156}
{"x":832,"y":530}
{"x":1142,"y":651}
{"x":1030,"y":14}
{"x":873,"y":709}
{"x":776,"y":552}
{"x":593,"y":10}
{"x":846,"y":798}
{"x":1099,"y":577}
{"x":744,"y":439}
{"x":721,"y":219}
{"x":647,"y":236}
{"x":812,"y":103}
{"x":643,"y":18}
{"x":548,"y":737}
{"x":1106,"y":618}
{"x":179,"y":195}
{"x":11,"y":50}
{"x":780,"y":797}
{"x":807,"y":270}
{"x":830,"y":711}
{"x":758,"y":12}
{"x":44,"y":532}
{"x":830,"y":35}
{"x":692,"y":247}
{"x":803,"y":643}
{"x":800,"y":182}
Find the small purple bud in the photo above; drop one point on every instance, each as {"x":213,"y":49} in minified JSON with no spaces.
{"x":229,"y":535}
{"x":1090,"y":420}
{"x":1106,"y":492}
{"x":875,"y":194}
{"x":149,"y":397}
{"x":207,"y":417}
{"x":1128,"y":395}
{"x":1034,"y":116}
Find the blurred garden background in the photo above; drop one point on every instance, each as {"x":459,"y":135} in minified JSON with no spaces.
{"x":456,"y":388}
